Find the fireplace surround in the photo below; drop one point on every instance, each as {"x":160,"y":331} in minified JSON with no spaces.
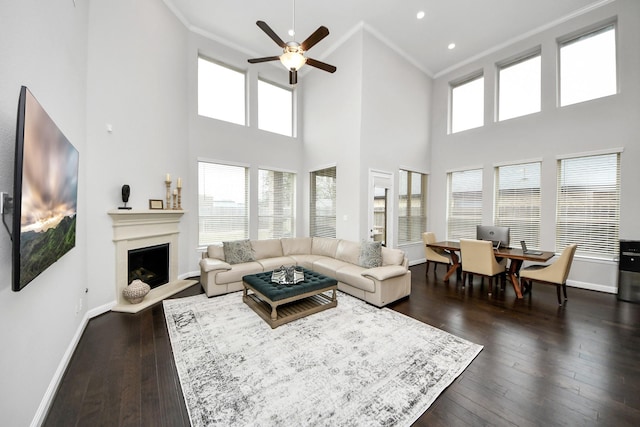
{"x":133,"y":230}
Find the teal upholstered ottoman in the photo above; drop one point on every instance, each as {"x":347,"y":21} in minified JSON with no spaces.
{"x":278,"y":303}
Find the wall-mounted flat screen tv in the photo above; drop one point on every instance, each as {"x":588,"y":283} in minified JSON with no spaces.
{"x":45,"y":192}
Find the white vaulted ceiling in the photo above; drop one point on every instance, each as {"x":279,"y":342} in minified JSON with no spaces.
{"x":475,"y":26}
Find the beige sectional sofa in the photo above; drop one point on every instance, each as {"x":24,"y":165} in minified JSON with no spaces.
{"x":336,"y":258}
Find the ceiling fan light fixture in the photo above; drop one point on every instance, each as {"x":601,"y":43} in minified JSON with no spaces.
{"x":292,"y":58}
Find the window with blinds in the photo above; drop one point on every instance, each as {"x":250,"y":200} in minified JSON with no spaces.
{"x":223,"y":203}
{"x":322,"y":209}
{"x":588,"y":205}
{"x":276,"y":204}
{"x":464,"y":204}
{"x":412,"y":206}
{"x":517,"y":202}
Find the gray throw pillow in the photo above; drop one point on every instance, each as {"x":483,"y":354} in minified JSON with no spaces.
{"x":238,"y":251}
{"x":370,"y":254}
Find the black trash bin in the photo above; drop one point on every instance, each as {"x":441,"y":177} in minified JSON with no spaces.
{"x":629,"y":271}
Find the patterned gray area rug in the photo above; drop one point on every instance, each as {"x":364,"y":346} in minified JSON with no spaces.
{"x":353,"y":365}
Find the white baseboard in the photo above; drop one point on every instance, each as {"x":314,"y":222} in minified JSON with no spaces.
{"x":592,"y":286}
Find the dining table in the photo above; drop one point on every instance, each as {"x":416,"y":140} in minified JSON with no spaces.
{"x":516,"y":258}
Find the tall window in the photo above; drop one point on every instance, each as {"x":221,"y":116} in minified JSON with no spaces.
{"x":276,"y":204}
{"x":588,"y":211}
{"x":467,"y":104}
{"x":464,"y":205}
{"x":275,"y":108}
{"x":412,"y":206}
{"x":588,"y":66}
{"x":221,"y":92}
{"x":323,"y":203}
{"x":223,"y":207}
{"x":519,"y":88}
{"x":517,"y":201}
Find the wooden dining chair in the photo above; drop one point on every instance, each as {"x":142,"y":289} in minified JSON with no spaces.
{"x":552,"y":274}
{"x":477,"y":257}
{"x":434,"y":255}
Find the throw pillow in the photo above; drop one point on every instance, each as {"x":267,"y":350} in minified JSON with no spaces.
{"x":238,"y":251}
{"x":370,"y":254}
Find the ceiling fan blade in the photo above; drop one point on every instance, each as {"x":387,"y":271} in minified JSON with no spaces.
{"x":293,"y":77}
{"x":267,"y":29}
{"x":265,"y":59}
{"x":321,"y":65}
{"x":314,"y":38}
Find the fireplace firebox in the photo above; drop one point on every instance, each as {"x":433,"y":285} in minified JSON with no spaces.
{"x":149,"y":264}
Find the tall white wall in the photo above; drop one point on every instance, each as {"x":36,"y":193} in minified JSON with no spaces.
{"x":372,"y":114}
{"x":44,"y":47}
{"x":137,"y":84}
{"x":332,"y":116}
{"x":395,"y":123}
{"x":600,"y":124}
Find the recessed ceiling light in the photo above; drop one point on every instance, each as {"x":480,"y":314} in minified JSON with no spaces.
{"x":451,"y":46}
{"x":292,"y":33}
{"x":420,"y":14}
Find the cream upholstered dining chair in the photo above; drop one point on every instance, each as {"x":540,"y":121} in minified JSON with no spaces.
{"x":477,"y":257}
{"x":553,"y":274}
{"x":437,"y":256}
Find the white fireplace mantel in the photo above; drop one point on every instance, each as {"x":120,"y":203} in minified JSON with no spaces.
{"x":135,"y":229}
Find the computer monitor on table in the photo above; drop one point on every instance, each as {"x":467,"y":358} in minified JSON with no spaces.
{"x":498,"y":235}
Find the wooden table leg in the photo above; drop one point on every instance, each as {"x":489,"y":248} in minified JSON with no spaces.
{"x":514,"y":268}
{"x":454,"y":266}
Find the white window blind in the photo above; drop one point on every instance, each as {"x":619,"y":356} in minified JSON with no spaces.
{"x":221,"y":92}
{"x":275,"y":108}
{"x":223,"y":207}
{"x":517,"y":202}
{"x":412,"y":206}
{"x":467,"y":104}
{"x":276,"y":204}
{"x":588,"y":66}
{"x":322,"y":207}
{"x":464,"y":205}
{"x":519,"y":87}
{"x":588,"y":205}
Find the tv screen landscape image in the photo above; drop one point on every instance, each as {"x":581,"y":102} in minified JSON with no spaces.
{"x":45,"y":192}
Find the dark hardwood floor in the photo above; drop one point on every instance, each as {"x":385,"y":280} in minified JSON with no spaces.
{"x":542,"y":364}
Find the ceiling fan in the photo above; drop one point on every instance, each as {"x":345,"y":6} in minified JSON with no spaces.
{"x":293,"y":55}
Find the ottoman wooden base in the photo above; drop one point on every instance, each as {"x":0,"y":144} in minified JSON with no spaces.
{"x":293,"y":307}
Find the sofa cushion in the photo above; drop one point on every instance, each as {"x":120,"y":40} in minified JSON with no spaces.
{"x":348,"y":251}
{"x":237,"y":271}
{"x":324,"y":246}
{"x":238,"y":251}
{"x":215,"y":251}
{"x":296,"y":246}
{"x":392,"y":256}
{"x":305,"y":261}
{"x":270,"y":264}
{"x":352,"y":275}
{"x":328,"y":266}
{"x":269,"y":248}
{"x":370,"y":254}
